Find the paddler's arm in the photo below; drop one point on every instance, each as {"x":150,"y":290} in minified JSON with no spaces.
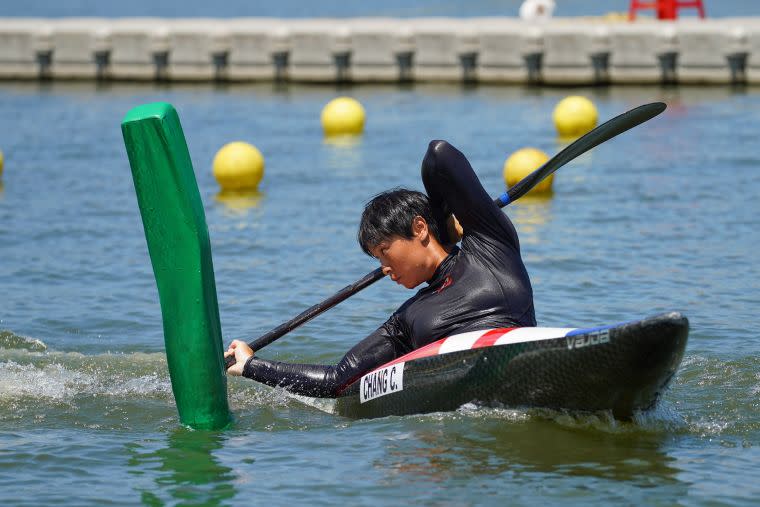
{"x":322,"y":381}
{"x":453,"y":187}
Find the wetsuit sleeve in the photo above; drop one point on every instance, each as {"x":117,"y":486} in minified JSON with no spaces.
{"x":453,"y":187}
{"x":326,"y":381}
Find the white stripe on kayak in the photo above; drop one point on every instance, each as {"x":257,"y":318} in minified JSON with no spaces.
{"x":532,"y":334}
{"x":458,"y":342}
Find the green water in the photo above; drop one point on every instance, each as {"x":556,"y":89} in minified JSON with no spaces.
{"x":663,"y":218}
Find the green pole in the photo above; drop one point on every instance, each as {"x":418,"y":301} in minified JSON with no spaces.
{"x":178,"y":243}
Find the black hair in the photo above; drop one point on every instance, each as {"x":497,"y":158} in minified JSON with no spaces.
{"x":391,"y":214}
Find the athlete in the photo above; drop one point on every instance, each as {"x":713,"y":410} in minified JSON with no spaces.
{"x":481,"y":285}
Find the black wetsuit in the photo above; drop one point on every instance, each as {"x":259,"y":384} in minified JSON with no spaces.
{"x":479,"y":286}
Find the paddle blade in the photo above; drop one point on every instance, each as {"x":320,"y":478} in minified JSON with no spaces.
{"x":600,"y":134}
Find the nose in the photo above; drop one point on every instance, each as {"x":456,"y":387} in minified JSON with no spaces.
{"x":386,"y":270}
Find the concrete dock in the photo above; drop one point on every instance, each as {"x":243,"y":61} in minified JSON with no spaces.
{"x":562,"y":51}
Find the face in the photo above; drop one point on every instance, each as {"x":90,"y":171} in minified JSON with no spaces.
{"x":406,"y":261}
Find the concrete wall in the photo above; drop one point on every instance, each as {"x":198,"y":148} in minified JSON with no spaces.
{"x":562,"y":51}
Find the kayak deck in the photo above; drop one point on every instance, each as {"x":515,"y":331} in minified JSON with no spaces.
{"x":622,"y":368}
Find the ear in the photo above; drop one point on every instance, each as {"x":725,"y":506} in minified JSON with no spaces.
{"x":420,"y":228}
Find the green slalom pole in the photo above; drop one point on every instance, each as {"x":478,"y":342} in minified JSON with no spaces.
{"x":178,"y":243}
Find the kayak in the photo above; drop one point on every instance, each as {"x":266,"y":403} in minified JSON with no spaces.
{"x":622,"y":368}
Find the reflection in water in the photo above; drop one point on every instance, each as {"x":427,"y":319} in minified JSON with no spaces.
{"x":345,"y":154}
{"x":514,"y":443}
{"x":346,"y":141}
{"x":2,"y":189}
{"x":186,"y":470}
{"x":529,"y":214}
{"x":238,"y":203}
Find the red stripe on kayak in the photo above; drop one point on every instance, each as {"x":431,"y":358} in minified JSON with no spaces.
{"x":488,"y":339}
{"x":431,"y":349}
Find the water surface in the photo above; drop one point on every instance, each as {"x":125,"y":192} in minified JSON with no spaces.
{"x":662,"y":218}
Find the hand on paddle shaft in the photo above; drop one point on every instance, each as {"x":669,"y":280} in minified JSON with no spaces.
{"x":600,"y":134}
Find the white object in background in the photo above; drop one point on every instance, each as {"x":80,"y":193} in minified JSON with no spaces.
{"x":537,"y":9}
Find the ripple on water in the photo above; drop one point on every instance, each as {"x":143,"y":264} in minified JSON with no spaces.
{"x":9,"y":340}
{"x":731,"y":415}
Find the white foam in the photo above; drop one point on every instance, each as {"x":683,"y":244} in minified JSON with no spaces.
{"x":145,"y":385}
{"x":51,"y":382}
{"x":73,"y":374}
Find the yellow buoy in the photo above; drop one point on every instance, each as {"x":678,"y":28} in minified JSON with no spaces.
{"x":343,"y":116}
{"x":574,"y":116}
{"x":523,"y":162}
{"x":238,"y":166}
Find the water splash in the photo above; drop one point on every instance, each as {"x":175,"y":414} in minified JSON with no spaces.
{"x":728,"y":416}
{"x":64,"y":376}
{"x":52,"y":382}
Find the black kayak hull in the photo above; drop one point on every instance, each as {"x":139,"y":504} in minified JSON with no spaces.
{"x":622,"y":368}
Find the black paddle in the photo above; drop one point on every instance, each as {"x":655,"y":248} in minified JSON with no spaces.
{"x":600,"y":134}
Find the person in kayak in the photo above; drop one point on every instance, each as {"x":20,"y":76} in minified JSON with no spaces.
{"x":481,"y":285}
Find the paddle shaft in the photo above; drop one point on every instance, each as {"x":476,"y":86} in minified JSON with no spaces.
{"x":600,"y":134}
{"x":310,"y":313}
